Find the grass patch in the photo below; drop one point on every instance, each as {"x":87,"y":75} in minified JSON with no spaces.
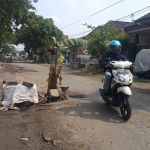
{"x":85,"y":71}
{"x":92,"y":72}
{"x":138,"y":80}
{"x":99,"y":75}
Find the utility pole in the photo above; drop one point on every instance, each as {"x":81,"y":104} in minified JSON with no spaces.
{"x":132,"y":16}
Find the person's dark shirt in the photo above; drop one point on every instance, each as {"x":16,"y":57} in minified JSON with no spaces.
{"x":113,"y":57}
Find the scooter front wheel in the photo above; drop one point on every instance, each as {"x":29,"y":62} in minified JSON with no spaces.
{"x":125,"y":108}
{"x":104,"y":97}
{"x":106,"y":101}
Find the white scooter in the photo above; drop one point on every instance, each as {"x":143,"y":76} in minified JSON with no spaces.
{"x":119,"y":90}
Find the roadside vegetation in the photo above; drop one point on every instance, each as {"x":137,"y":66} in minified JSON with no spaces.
{"x":98,"y":40}
{"x":39,"y":35}
{"x":23,"y":26}
{"x":142,"y":80}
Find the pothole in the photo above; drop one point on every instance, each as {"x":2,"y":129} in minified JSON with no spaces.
{"x":77,"y":96}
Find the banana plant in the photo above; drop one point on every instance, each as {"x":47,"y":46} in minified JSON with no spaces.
{"x":71,"y":45}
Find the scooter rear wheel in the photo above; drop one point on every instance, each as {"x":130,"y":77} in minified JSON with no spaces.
{"x":125,"y":108}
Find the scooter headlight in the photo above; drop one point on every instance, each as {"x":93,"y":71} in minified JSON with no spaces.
{"x":125,"y":80}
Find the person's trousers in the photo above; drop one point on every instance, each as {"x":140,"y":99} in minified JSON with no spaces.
{"x":107,"y":80}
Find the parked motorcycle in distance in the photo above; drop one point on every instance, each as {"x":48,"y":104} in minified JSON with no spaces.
{"x":119,"y":90}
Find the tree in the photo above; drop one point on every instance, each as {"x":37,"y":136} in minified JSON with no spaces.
{"x":100,"y":37}
{"x":12,"y":14}
{"x":37,"y":36}
{"x":22,"y":52}
{"x":124,"y":40}
{"x":98,"y":41}
{"x":7,"y":49}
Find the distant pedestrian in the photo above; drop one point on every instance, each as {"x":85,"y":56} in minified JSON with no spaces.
{"x":67,"y":58}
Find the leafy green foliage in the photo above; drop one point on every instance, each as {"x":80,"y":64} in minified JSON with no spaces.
{"x":68,"y":42}
{"x":7,"y":49}
{"x":69,"y":45}
{"x":71,"y":42}
{"x":124,"y":39}
{"x":98,"y":41}
{"x":37,"y":37}
{"x":12,"y":14}
{"x":22,"y":52}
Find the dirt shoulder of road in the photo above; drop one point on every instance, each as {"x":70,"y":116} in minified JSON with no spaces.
{"x":43,"y":122}
{"x":41,"y":126}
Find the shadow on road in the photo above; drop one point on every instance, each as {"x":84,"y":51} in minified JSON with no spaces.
{"x":91,"y":106}
{"x":93,"y":110}
{"x":143,"y":91}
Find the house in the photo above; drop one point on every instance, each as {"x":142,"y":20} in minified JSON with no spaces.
{"x":139,"y":31}
{"x":116,"y":25}
{"x":64,"y":37}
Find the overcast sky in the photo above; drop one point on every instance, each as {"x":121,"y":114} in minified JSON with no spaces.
{"x":66,"y":12}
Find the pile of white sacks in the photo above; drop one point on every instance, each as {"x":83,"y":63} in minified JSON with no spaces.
{"x":19,"y":93}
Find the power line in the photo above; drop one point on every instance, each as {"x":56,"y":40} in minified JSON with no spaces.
{"x":81,"y":33}
{"x":92,"y":14}
{"x":135,"y":15}
{"x":132,"y":13}
{"x":118,"y":19}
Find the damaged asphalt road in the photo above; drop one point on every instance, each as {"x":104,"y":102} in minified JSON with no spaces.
{"x":82,"y":122}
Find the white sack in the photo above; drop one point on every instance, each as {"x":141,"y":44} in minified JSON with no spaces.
{"x":142,"y":61}
{"x":23,"y":93}
{"x":18,"y":94}
{"x":8,"y":92}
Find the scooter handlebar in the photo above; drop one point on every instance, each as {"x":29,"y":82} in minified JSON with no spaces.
{"x":108,"y":64}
